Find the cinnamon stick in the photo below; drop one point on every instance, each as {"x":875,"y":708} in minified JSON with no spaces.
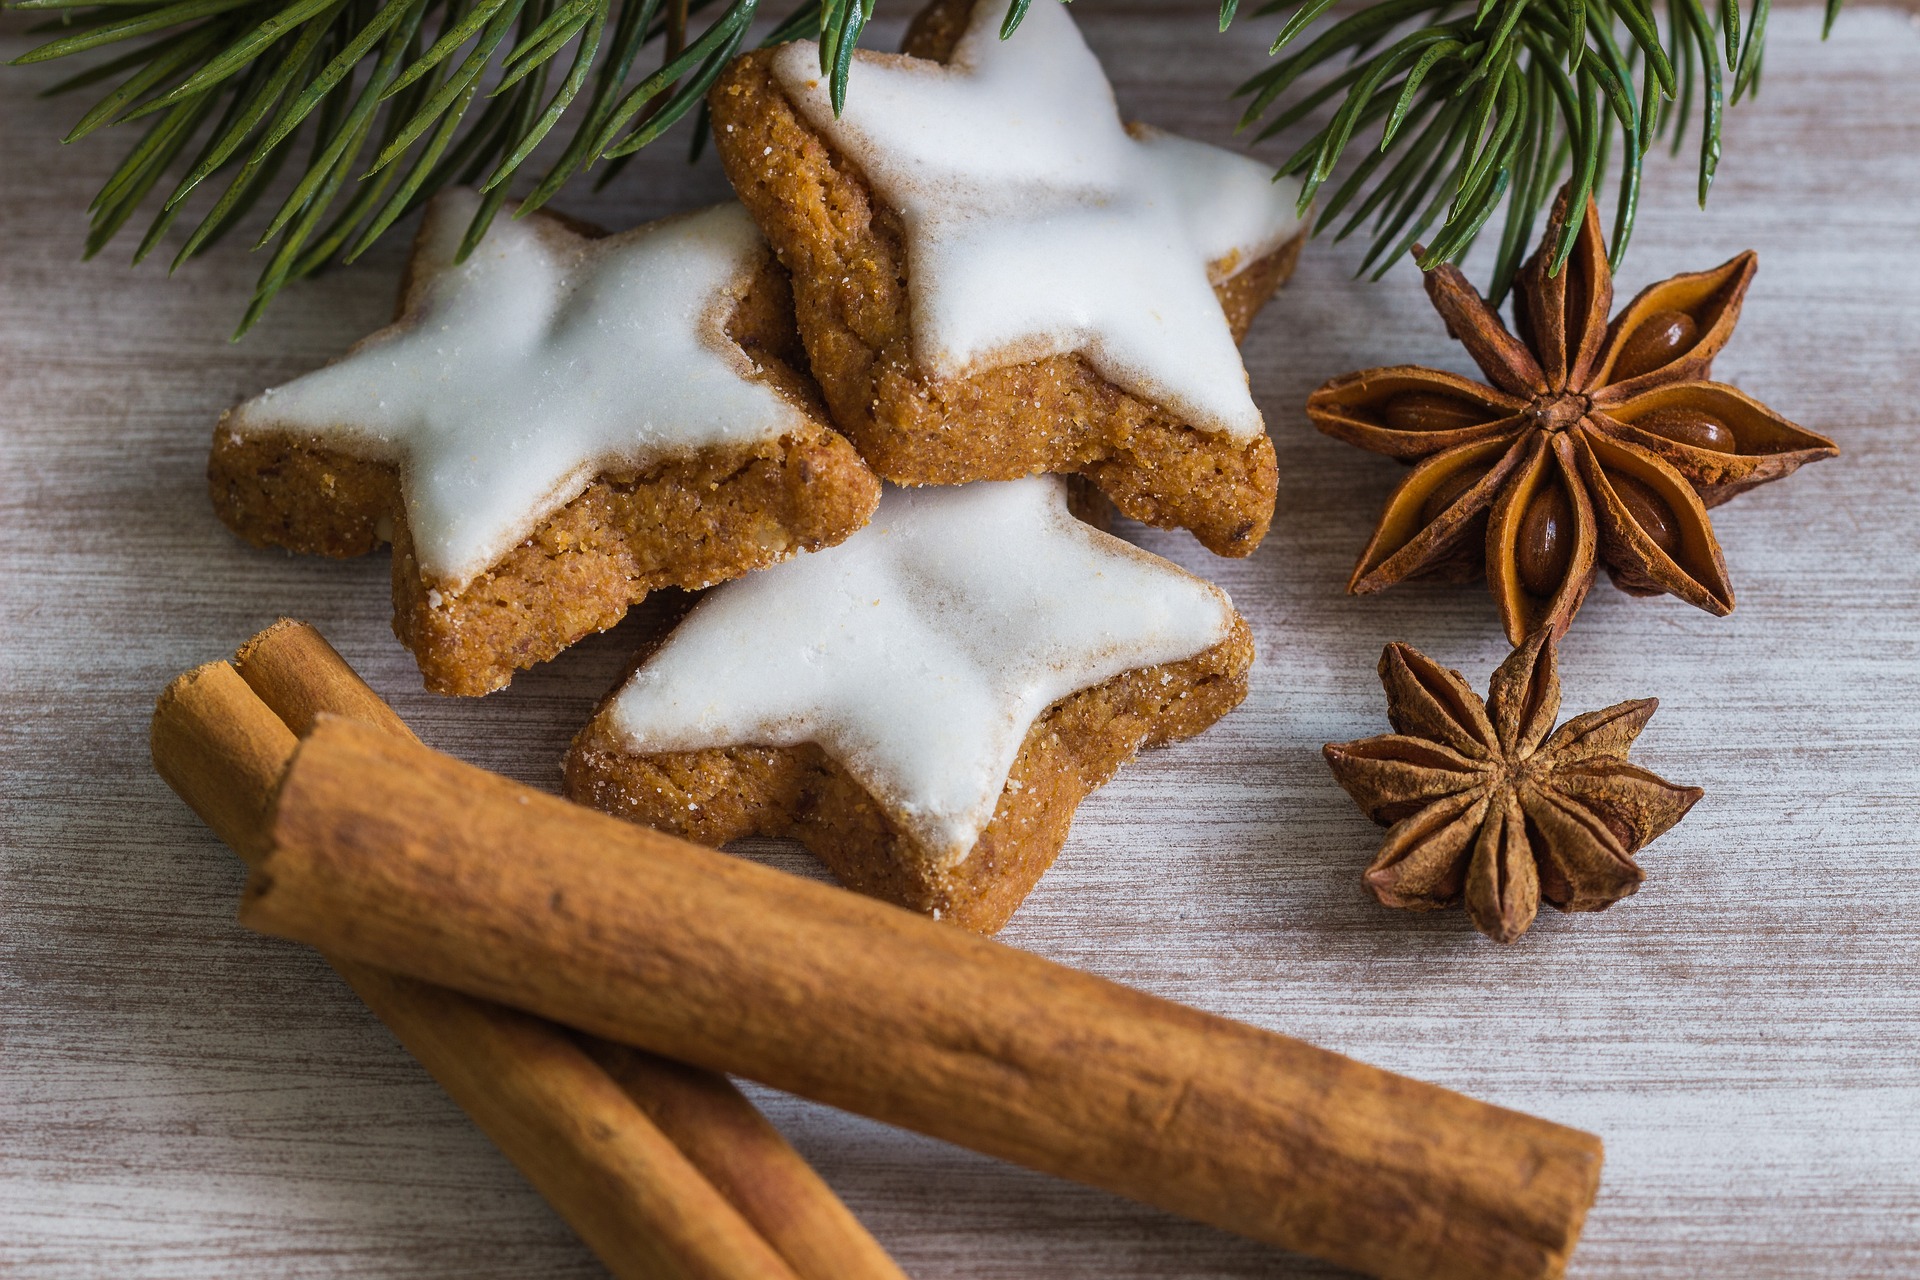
{"x":621,"y":1184}
{"x":401,"y":857}
{"x":627,"y":1189}
{"x":749,"y":1161}
{"x":300,"y":676}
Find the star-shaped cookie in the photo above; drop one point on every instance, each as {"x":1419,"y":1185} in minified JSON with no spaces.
{"x":996,"y":276}
{"x":925,"y":704}
{"x":551,"y":429}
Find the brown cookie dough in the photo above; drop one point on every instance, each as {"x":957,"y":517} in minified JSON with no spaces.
{"x":1077,"y":744}
{"x":845,"y":250}
{"x":685,"y":521}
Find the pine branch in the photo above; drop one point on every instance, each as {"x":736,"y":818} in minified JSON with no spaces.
{"x":1492,"y":101}
{"x":1479,"y":105}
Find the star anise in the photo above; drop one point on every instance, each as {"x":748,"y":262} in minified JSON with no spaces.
{"x":1482,"y":804}
{"x":1594,"y":443}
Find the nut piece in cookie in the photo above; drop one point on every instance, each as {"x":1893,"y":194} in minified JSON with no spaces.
{"x":996,"y":277}
{"x":924,"y":705}
{"x":550,"y":430}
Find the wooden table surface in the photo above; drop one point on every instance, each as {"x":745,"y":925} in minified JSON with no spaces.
{"x":179,"y":1097}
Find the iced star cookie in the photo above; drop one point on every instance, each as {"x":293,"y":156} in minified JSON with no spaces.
{"x":549,"y":431}
{"x":996,"y":277}
{"x":924,"y":705}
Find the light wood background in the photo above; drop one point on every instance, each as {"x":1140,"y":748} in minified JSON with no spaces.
{"x":181,"y":1098}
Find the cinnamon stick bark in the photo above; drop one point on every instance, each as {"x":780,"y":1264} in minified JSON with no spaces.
{"x":629,"y":1191}
{"x":291,"y":667}
{"x":397,"y":856}
{"x":749,"y":1161}
{"x":300,"y":676}
{"x":622,"y":1185}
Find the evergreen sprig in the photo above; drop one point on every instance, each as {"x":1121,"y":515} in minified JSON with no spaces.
{"x":394,"y":100}
{"x":1485,"y":102}
{"x":1478,"y":101}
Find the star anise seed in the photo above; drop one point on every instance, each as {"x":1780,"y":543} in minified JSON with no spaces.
{"x":1590,"y":444}
{"x":1487,"y":802}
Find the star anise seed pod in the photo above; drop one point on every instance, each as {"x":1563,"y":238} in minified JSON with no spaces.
{"x":1482,"y":804}
{"x":1594,"y":444}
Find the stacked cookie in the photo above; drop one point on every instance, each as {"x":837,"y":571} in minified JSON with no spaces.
{"x":550,"y":430}
{"x":976,"y":274}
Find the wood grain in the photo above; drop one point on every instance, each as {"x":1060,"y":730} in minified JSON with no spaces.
{"x":179,"y":1098}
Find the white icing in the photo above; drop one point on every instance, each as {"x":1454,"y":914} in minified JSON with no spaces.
{"x":1037,"y":225}
{"x":544,"y":359}
{"x":919,"y":652}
